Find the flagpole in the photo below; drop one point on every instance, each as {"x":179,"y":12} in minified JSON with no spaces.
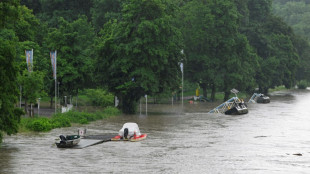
{"x":55,"y":94}
{"x":55,"y":80}
{"x":182,"y":69}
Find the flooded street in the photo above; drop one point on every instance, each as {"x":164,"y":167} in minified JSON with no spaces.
{"x":271,"y":138}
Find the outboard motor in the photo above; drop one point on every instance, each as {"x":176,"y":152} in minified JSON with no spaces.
{"x":63,"y":139}
{"x":125,"y":133}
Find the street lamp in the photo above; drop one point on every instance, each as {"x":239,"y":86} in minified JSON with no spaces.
{"x":181,"y":66}
{"x":58,"y":92}
{"x":65,"y":101}
{"x":39,"y":106}
{"x":20,"y":96}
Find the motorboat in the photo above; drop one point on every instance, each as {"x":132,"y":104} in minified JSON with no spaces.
{"x":68,"y":141}
{"x":233,"y":106}
{"x":237,"y":109}
{"x":259,"y":98}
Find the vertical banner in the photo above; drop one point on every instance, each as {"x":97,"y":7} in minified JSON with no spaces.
{"x":181,"y":66}
{"x":29,"y":59}
{"x":53,"y":55}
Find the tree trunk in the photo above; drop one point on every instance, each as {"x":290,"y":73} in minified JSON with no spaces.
{"x":263,"y":90}
{"x":226,"y":97}
{"x":51,"y":103}
{"x":26,"y":105}
{"x":204,"y":89}
{"x":213,"y":93}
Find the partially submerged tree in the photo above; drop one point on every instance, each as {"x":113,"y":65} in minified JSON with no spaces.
{"x":219,"y":56}
{"x":141,"y":53}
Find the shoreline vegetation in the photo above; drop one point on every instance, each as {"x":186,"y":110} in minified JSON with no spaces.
{"x":44,"y":124}
{"x":47,"y":123}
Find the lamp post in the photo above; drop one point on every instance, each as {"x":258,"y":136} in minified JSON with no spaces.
{"x":58,"y":92}
{"x":20,"y":96}
{"x":39,"y":106}
{"x":65,"y":101}
{"x":181,"y":66}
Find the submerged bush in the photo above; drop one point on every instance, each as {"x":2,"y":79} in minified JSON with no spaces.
{"x":100,"y":97}
{"x":109,"y":111}
{"x":59,"y":120}
{"x":40,"y":124}
{"x":302,"y":84}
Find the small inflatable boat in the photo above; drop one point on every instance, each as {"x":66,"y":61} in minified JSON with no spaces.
{"x":133,"y":139}
{"x":129,"y":132}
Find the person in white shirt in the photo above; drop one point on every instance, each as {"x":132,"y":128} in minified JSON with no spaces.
{"x":128,"y":131}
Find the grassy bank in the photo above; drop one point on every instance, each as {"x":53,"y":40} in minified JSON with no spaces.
{"x":43,"y":124}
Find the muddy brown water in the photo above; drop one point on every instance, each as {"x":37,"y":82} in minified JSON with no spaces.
{"x":271,"y":138}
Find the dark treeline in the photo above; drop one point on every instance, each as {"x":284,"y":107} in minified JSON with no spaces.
{"x":133,"y":48}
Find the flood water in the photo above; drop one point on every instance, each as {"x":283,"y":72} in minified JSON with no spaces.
{"x":271,"y":138}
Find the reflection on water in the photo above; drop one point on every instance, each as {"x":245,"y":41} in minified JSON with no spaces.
{"x":263,"y":141}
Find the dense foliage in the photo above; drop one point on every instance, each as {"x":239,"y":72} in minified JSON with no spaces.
{"x":133,"y":47}
{"x":9,"y":115}
{"x":296,"y":13}
{"x":42,"y":124}
{"x":139,"y":54}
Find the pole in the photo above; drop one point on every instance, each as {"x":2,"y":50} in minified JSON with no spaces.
{"x":39,"y":106}
{"x":55,"y":94}
{"x":145,"y":104}
{"x":20,"y":96}
{"x":182,"y":87}
{"x":182,"y":69}
{"x":31,"y":110}
{"x":58,"y":92}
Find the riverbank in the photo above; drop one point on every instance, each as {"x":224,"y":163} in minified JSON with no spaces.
{"x":43,"y":124}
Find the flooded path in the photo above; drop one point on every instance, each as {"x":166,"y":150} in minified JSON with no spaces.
{"x":272,"y":138}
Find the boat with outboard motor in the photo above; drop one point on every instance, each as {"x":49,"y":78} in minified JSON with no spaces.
{"x":233,"y":106}
{"x":237,"y":109}
{"x":68,"y":141}
{"x":259,"y":98}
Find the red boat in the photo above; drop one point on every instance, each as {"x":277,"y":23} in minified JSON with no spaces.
{"x":138,"y":138}
{"x":133,"y":139}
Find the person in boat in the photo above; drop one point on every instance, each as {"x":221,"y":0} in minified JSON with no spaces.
{"x":242,"y":103}
{"x":128,"y":131}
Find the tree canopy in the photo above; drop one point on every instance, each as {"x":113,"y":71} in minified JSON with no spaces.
{"x":133,"y":47}
{"x":140,"y":54}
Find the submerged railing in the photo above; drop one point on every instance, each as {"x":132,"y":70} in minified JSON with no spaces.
{"x":222,"y":108}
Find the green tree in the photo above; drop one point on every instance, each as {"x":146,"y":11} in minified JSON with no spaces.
{"x":75,"y":54}
{"x":273,"y":41}
{"x":50,"y":10}
{"x":105,"y":10}
{"x":218,"y":55}
{"x":141,"y":53}
{"x":32,"y":86}
{"x":9,"y":115}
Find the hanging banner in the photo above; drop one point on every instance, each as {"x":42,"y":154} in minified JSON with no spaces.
{"x":29,"y":59}
{"x":53,"y":55}
{"x":181,"y":66}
